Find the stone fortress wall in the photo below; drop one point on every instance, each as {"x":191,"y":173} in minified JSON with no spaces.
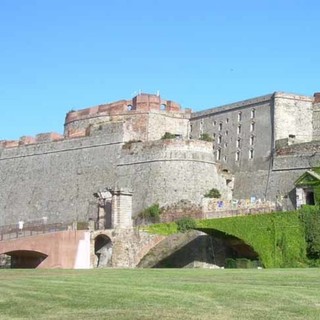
{"x":264,"y":142}
{"x":55,"y":176}
{"x":248,"y":136}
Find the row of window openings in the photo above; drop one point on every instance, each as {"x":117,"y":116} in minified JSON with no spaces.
{"x":252,"y":116}
{"x":239,"y":128}
{"x":238,"y":143}
{"x":218,"y":155}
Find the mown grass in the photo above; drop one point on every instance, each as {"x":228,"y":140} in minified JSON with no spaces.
{"x":160,"y":294}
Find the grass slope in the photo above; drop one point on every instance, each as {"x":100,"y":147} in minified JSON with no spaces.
{"x":160,"y":294}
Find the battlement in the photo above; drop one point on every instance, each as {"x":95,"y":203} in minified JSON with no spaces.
{"x":140,"y":103}
{"x":27,"y":140}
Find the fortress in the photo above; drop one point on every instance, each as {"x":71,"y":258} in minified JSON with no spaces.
{"x":261,"y":147}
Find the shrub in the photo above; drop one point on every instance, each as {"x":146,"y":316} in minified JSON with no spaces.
{"x":168,"y":135}
{"x":186,"y":223}
{"x":213,"y":193}
{"x":151,"y":213}
{"x":128,"y":144}
{"x":206,"y":137}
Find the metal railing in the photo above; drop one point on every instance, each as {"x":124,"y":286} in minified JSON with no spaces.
{"x":13,"y":231}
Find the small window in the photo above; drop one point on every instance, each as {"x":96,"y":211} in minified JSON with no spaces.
{"x":214,"y":122}
{"x":163,"y":107}
{"x":251,"y":154}
{"x":239,"y":116}
{"x":219,"y":139}
{"x":220,"y":126}
{"x":239,"y":129}
{"x":227,"y":120}
{"x":239,"y":143}
{"x":214,"y":135}
{"x":253,"y":113}
{"x":225,"y":158}
{"x":252,"y":140}
{"x":225,"y":144}
{"x":219,"y":154}
{"x":129,"y":107}
{"x":252,"y":126}
{"x":201,"y":128}
{"x":227,"y":132}
{"x":237,"y":155}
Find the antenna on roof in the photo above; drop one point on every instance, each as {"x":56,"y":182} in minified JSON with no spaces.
{"x":158,"y":93}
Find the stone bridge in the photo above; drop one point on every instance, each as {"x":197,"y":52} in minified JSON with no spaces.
{"x":75,"y":249}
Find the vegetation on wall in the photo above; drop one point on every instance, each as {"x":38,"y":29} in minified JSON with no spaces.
{"x":278,"y":238}
{"x":168,"y":135}
{"x":206,"y":137}
{"x":213,"y":193}
{"x":310,"y":218}
{"x":151,"y":214}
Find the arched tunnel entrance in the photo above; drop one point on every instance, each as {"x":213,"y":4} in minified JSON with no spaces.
{"x":103,"y":251}
{"x":25,"y":259}
{"x":200,"y":248}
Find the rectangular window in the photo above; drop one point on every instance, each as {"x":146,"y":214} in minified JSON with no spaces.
{"x":253,"y":113}
{"x":251,"y":153}
{"x":237,"y":155}
{"x":239,"y":129}
{"x":252,"y":126}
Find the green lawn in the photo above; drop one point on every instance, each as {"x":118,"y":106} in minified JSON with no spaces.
{"x":160,"y":294}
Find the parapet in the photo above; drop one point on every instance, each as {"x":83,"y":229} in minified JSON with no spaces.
{"x":140,"y":103}
{"x":27,"y":140}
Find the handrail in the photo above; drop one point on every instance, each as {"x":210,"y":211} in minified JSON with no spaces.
{"x":13,"y":231}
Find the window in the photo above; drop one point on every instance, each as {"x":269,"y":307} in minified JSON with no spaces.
{"x":129,"y":107}
{"x":219,"y":139}
{"x":251,"y":153}
{"x":237,"y":155}
{"x":251,"y":140}
{"x":239,"y":129}
{"x":227,"y":120}
{"x":239,"y":116}
{"x":253,"y":113}
{"x":239,"y":143}
{"x":220,"y":126}
{"x":227,"y":132}
{"x":225,"y":158}
{"x":219,"y":154}
{"x":214,"y":122}
{"x":252,"y":126}
{"x":201,"y":128}
{"x":225,"y":144}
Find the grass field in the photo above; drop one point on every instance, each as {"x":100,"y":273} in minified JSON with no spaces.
{"x":160,"y":294}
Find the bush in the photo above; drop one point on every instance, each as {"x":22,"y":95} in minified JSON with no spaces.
{"x":185,"y":224}
{"x":168,"y":135}
{"x":151,"y":213}
{"x":206,"y":137}
{"x":213,"y":193}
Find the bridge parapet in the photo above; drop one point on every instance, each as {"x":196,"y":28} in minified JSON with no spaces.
{"x":14,"y":231}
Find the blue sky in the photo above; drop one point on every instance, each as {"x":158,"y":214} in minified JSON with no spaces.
{"x":58,"y":55}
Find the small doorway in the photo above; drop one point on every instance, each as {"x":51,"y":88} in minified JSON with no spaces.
{"x":103,"y":251}
{"x":309,"y":197}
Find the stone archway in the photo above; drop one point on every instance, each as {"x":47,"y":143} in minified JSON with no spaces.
{"x":103,"y":251}
{"x":26,"y":259}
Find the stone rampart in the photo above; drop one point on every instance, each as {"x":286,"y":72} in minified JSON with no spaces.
{"x":168,"y":171}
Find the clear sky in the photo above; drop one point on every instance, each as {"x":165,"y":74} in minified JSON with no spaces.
{"x":58,"y":55}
